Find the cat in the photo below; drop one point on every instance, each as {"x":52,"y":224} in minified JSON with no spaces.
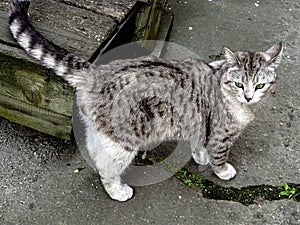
{"x":127,"y":104}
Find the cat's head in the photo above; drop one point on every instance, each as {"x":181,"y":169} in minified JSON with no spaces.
{"x":249,"y":75}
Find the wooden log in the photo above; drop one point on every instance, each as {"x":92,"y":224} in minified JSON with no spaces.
{"x":31,"y":94}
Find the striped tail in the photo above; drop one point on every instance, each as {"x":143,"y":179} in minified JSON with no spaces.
{"x":64,"y":63}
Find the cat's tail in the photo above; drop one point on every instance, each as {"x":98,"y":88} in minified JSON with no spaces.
{"x":64,"y":63}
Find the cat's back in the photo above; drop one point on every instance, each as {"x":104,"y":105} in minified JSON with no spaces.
{"x":144,"y":70}
{"x":137,"y":96}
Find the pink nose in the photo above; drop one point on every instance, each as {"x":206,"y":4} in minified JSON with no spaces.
{"x":248,"y":99}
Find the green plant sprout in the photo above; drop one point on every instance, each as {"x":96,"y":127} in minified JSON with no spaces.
{"x":288,"y":191}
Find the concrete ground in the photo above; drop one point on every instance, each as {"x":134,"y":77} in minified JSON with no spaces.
{"x":37,"y":180}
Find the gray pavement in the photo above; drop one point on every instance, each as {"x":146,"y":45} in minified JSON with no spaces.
{"x":37,"y":180}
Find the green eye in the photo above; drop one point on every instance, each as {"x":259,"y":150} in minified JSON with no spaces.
{"x":239,"y":85}
{"x":259,"y":86}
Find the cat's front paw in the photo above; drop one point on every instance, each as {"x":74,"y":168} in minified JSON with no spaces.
{"x":119,"y":192}
{"x":228,"y":172}
{"x":201,"y":157}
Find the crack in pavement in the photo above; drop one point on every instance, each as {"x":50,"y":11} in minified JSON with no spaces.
{"x":248,"y":195}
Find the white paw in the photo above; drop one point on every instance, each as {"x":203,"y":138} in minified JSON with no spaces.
{"x":228,"y":173}
{"x":204,"y":159}
{"x":201,"y":157}
{"x":119,"y":192}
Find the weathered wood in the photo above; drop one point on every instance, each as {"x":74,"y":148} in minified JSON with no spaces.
{"x":148,"y":21}
{"x":117,"y":10}
{"x":34,"y":85}
{"x":30,"y":94}
{"x":37,"y":118}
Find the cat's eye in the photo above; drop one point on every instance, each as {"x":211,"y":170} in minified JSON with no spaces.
{"x":239,"y":85}
{"x":259,"y":86}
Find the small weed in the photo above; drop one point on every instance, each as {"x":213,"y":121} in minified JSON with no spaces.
{"x":288,"y":191}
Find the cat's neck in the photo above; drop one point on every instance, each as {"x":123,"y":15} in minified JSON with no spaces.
{"x":240,"y":112}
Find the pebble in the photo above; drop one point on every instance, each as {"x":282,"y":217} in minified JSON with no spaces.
{"x":200,"y":193}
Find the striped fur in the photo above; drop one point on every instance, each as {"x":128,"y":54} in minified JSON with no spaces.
{"x":128,"y":104}
{"x":52,"y":56}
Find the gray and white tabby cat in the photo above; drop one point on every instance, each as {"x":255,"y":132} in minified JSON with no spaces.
{"x":128,"y":104}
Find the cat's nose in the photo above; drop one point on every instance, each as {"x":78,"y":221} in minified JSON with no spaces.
{"x":248,"y":99}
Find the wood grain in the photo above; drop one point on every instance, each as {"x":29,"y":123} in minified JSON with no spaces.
{"x":31,"y":94}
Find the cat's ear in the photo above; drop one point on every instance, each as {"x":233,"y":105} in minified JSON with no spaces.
{"x":274,"y":56}
{"x":231,"y":58}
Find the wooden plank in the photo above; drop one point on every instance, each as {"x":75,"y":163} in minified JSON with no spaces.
{"x":34,"y":85}
{"x":148,"y":22}
{"x":34,"y":117}
{"x":32,"y":96}
{"x":29,"y":93}
{"x":117,"y":10}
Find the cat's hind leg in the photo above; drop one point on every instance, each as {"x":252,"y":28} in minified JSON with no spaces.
{"x":111,"y":160}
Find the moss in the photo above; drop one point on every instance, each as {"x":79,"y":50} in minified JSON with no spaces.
{"x":246,"y":195}
{"x":217,"y":57}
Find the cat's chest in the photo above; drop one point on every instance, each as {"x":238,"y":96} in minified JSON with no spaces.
{"x":240,"y":114}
